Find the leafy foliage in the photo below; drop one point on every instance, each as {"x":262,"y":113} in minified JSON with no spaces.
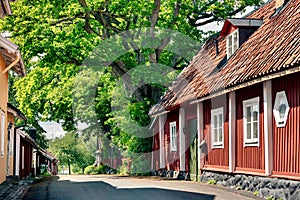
{"x":70,"y":150}
{"x":55,"y":37}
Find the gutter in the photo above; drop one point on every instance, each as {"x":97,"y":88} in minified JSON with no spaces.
{"x":248,"y":83}
{"x":11,"y":65}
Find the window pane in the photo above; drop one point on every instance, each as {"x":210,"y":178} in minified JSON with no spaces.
{"x":215,"y":121}
{"x":230,"y":40}
{"x":230,"y":45}
{"x":215,"y":135}
{"x":235,"y":42}
{"x":248,"y":114}
{"x":220,"y":120}
{"x":255,"y":113}
{"x":248,"y":130}
{"x":220,"y":135}
{"x":255,"y":130}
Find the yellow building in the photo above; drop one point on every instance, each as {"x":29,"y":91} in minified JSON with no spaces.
{"x":10,"y":60}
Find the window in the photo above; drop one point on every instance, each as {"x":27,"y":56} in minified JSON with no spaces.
{"x":2,"y":132}
{"x":11,"y":143}
{"x":251,"y":122}
{"x":281,"y":109}
{"x":173,"y":136}
{"x":217,"y":129}
{"x":23,"y":156}
{"x":232,"y":43}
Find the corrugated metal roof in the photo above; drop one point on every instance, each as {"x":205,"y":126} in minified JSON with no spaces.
{"x":274,"y":47}
{"x":246,"y":22}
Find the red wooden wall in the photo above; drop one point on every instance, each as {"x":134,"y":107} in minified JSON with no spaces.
{"x":172,"y":157}
{"x":190,"y":113}
{"x":156,"y":147}
{"x":249,"y":157}
{"x":286,"y":140}
{"x":216,"y":156}
{"x":27,"y":159}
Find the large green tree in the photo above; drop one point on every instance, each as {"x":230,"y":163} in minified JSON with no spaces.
{"x":55,"y":37}
{"x":70,"y":150}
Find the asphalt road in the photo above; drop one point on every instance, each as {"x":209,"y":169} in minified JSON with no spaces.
{"x":127,"y":188}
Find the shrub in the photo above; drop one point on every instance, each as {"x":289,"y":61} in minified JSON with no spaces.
{"x":89,"y":169}
{"x":212,"y":182}
{"x":102,"y":169}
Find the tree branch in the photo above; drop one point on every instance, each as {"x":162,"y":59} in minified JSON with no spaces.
{"x":67,"y":19}
{"x":154,"y":17}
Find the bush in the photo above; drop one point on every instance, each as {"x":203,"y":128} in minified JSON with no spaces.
{"x":102,"y":169}
{"x":212,"y":182}
{"x":89,"y":169}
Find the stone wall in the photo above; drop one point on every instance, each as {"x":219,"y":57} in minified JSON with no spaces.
{"x":262,"y":186}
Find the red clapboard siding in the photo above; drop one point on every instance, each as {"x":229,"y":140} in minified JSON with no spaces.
{"x":286,"y":140}
{"x":172,"y":157}
{"x":191,"y":113}
{"x":156,"y":147}
{"x":216,"y":156}
{"x":27,"y":159}
{"x":249,"y":157}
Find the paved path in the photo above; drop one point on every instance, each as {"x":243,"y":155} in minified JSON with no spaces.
{"x":122,"y":188}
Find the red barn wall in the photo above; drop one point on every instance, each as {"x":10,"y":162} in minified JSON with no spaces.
{"x":27,"y":159}
{"x":190,"y":113}
{"x":286,"y":140}
{"x":172,"y":157}
{"x":249,"y":158}
{"x":156,"y":147}
{"x":217,"y":156}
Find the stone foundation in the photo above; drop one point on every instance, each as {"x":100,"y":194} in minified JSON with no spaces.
{"x":179,"y":175}
{"x":262,"y":186}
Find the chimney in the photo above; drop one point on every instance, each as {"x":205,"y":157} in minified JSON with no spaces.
{"x":32,"y":133}
{"x":280,"y":3}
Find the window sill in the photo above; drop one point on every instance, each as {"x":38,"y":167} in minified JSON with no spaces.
{"x":251,"y":144}
{"x":218,"y":146}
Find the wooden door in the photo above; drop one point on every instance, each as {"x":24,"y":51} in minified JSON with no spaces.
{"x":193,"y":144}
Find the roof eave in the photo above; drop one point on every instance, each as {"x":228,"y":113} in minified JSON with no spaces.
{"x":16,"y":112}
{"x":12,"y":48}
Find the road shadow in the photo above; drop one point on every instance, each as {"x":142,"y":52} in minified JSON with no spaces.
{"x":65,"y":190}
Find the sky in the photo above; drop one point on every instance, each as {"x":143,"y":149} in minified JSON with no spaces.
{"x":53,"y":129}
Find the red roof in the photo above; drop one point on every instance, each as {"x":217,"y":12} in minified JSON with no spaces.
{"x":273,"y":47}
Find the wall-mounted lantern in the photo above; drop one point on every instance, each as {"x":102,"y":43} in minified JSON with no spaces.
{"x":281,"y":109}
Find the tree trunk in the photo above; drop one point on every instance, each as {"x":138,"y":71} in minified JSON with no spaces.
{"x":69,"y":166}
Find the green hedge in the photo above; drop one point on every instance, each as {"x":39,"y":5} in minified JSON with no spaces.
{"x":91,"y":169}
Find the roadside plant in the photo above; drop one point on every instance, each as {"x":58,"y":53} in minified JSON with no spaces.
{"x":212,"y":182}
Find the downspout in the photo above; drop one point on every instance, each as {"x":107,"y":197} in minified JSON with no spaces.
{"x":15,"y":148}
{"x":11,"y":65}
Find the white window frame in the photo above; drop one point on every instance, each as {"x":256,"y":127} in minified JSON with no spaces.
{"x":2,"y":132}
{"x":23,"y":157}
{"x":229,"y":38}
{"x":220,"y":125}
{"x":252,"y":141}
{"x":11,"y":143}
{"x":173,"y":136}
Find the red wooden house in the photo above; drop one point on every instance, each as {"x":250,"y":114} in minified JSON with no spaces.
{"x":26,"y":158}
{"x":243,"y":94}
